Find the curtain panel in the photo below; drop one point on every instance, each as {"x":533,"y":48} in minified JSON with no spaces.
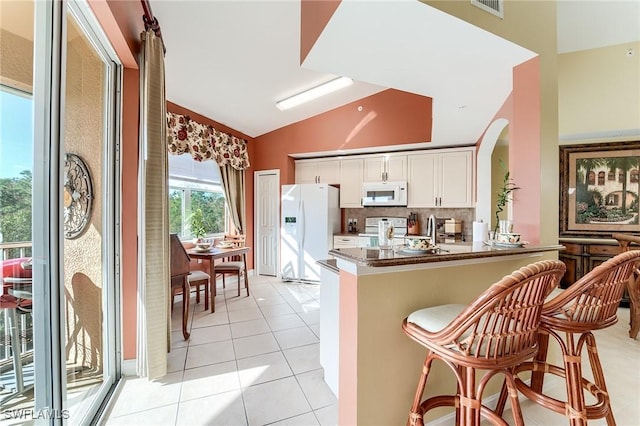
{"x":203,"y":142}
{"x":153,"y":247}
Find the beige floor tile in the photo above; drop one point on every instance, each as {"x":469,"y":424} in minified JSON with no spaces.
{"x":316,"y":390}
{"x":316,"y":329}
{"x":208,"y":319}
{"x":283,"y":322}
{"x":303,"y":358}
{"x":236,"y":303}
{"x":140,"y":394}
{"x":275,"y":310}
{"x":274,"y":401}
{"x":245,"y":315}
{"x":225,"y":409}
{"x":165,"y":415}
{"x":209,"y":380}
{"x":255,"y":345}
{"x":177,"y":340}
{"x":307,"y":419}
{"x":268,"y":298}
{"x":249,"y":328}
{"x":311,"y":316}
{"x":211,"y":334}
{"x":263,"y":368}
{"x":176,"y":360}
{"x":295,"y":337}
{"x":209,"y":353}
{"x":327,"y":416}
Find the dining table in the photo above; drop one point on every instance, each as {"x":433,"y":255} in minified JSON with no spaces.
{"x":214,"y":253}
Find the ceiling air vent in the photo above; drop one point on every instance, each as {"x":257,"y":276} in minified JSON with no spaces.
{"x":494,"y":7}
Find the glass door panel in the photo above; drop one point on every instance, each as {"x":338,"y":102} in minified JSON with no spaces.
{"x":88,"y":205}
{"x":17,"y":376}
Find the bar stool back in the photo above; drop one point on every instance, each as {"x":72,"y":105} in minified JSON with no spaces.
{"x":495,"y":333}
{"x":591,"y":303}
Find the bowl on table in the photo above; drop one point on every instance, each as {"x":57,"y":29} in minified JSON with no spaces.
{"x":508,"y":238}
{"x":203,"y":245}
{"x":225,"y":244}
{"x":418,"y":244}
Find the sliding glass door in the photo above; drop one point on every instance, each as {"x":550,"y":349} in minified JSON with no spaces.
{"x":59,"y":350}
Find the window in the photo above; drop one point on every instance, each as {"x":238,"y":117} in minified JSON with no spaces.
{"x":621,"y":177}
{"x":633,"y":176}
{"x":612,"y":175}
{"x":592,"y":178}
{"x":600,"y":178}
{"x":195,"y":185}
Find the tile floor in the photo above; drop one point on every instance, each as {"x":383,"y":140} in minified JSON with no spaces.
{"x":256,"y":362}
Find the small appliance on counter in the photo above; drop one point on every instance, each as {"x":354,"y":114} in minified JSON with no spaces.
{"x":452,"y":231}
{"x":371,"y":228}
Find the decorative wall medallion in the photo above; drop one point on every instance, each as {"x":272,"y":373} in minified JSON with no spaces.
{"x":78,"y":196}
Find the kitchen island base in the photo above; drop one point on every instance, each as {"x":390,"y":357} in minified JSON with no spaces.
{"x":378,"y":364}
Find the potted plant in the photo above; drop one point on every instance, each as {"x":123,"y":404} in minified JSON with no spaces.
{"x":198,"y":230}
{"x":504,"y":195}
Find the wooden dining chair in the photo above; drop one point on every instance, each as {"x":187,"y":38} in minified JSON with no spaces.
{"x":495,"y":333}
{"x":591,"y":303}
{"x":235,"y":265}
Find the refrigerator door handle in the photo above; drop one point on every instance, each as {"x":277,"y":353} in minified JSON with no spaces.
{"x":302,"y":225}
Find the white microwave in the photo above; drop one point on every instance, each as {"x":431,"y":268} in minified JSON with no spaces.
{"x":384,"y":193}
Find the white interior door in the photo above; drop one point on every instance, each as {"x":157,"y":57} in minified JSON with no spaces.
{"x":267,"y":222}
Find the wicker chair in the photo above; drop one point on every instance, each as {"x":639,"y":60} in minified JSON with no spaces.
{"x":633,"y":286}
{"x":497,"y":332}
{"x":589,"y":304}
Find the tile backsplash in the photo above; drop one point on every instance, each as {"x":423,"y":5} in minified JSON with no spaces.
{"x":466,"y":216}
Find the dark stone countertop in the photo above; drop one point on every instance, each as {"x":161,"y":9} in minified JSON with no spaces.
{"x":329,"y":264}
{"x":373,"y":256}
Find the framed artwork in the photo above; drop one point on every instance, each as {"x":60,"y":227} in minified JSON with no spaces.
{"x":599,"y":189}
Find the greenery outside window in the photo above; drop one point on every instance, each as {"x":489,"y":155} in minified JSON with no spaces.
{"x":186,"y":196}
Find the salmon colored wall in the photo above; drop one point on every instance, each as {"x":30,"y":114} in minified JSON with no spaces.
{"x":122,"y":23}
{"x":522,"y":110}
{"x":314,"y":16}
{"x":129,"y":194}
{"x":525,"y":157}
{"x":348,"y":354}
{"x":248,"y":173}
{"x":391,"y":117}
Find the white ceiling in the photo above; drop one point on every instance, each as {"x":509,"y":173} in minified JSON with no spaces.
{"x":231,"y":60}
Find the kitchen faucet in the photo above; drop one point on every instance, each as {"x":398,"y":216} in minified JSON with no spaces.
{"x":431,"y":230}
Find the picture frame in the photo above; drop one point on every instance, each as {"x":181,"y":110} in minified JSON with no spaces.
{"x":599,"y":189}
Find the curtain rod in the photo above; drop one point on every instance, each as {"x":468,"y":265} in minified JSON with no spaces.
{"x":150,"y":22}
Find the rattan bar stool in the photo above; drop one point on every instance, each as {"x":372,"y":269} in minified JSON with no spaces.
{"x":495,"y":333}
{"x":589,"y":304}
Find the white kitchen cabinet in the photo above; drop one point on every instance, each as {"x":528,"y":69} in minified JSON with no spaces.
{"x":346,"y":241}
{"x":351,"y":183}
{"x":389,"y":167}
{"x":442,"y":178}
{"x":318,"y":171}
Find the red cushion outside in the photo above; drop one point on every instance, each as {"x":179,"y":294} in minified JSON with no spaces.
{"x":13,"y":268}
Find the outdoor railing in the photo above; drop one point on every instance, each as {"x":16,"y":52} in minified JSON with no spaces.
{"x":12,"y":251}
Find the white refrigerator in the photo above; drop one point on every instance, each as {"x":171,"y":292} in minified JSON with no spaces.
{"x":310,"y":217}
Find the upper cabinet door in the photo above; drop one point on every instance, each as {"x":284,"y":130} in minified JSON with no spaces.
{"x":351,"y":175}
{"x":396,"y":167}
{"x":456,"y":177}
{"x":374,"y":169}
{"x":306,"y":172}
{"x":318,"y":171}
{"x":423,"y":180}
{"x":329,"y":171}
{"x":385,"y":168}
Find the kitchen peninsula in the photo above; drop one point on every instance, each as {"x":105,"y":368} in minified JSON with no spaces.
{"x":378,"y":365}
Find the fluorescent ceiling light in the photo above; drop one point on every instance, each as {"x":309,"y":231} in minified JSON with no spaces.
{"x":314,"y":93}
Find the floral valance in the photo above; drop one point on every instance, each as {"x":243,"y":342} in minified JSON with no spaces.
{"x":204,"y":142}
